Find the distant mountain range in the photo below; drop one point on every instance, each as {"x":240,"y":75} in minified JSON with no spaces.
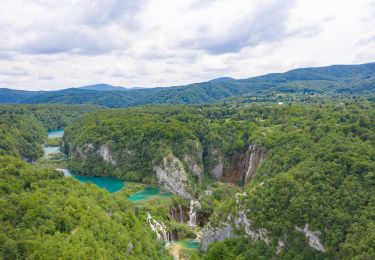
{"x":103,"y":87}
{"x":333,"y":80}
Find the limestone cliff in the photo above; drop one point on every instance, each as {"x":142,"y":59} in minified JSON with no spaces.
{"x":172,"y":176}
{"x":238,"y":168}
{"x":210,"y":235}
{"x":312,"y":238}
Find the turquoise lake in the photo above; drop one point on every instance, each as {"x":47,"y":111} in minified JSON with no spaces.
{"x":188,"y":243}
{"x":109,"y":183}
{"x":149,"y":192}
{"x":55,"y":133}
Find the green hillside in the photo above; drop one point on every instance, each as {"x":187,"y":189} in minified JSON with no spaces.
{"x":332,"y":80}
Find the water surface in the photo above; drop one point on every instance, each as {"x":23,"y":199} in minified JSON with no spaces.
{"x":50,"y":150}
{"x":189,"y":243}
{"x":55,"y":133}
{"x":109,"y":183}
{"x":149,"y":192}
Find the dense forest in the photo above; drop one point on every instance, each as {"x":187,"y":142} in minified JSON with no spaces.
{"x":290,"y":176}
{"x":47,"y":216}
{"x":332,"y":80}
{"x":23,"y":128}
{"x":318,"y":170}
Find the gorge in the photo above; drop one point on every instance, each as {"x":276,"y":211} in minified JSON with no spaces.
{"x":197,"y":181}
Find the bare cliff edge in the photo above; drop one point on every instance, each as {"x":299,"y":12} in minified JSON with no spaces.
{"x":172,"y":176}
{"x":239,"y":167}
{"x":178,"y":174}
{"x":240,"y":222}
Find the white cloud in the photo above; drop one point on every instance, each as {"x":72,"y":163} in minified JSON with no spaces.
{"x":55,"y":44}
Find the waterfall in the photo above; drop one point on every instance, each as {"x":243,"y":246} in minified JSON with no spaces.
{"x":181,"y":214}
{"x":158,"y":227}
{"x":193,"y":213}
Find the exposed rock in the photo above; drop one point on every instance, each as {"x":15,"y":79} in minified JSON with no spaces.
{"x":208,"y":191}
{"x":210,"y":235}
{"x":240,"y":167}
{"x":88,"y":148}
{"x":280,"y":246}
{"x":158,"y":227}
{"x":172,"y":176}
{"x":218,"y":170}
{"x":194,"y":204}
{"x":178,"y":213}
{"x":105,"y":153}
{"x":312,"y":238}
{"x":254,"y":157}
{"x":257,"y":234}
{"x":194,"y":167}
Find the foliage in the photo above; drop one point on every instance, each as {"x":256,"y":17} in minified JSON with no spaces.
{"x":47,"y":216}
{"x":21,"y":134}
{"x":23,"y":128}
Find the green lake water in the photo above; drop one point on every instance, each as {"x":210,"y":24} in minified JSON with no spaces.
{"x":189,"y":243}
{"x":149,"y":192}
{"x":55,"y":133}
{"x":109,"y":183}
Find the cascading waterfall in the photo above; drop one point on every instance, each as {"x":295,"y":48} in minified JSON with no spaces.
{"x":193,"y":213}
{"x":159,"y":228}
{"x":181,"y":214}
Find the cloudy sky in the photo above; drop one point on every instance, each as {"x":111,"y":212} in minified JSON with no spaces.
{"x":47,"y":44}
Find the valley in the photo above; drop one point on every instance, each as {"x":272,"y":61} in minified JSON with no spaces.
{"x":187,"y":130}
{"x":112,"y":185}
{"x":281,"y":178}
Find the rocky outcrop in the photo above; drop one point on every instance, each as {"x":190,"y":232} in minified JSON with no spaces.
{"x":89,"y":149}
{"x":312,"y":238}
{"x":218,"y":170}
{"x":240,"y":168}
{"x":179,"y":214}
{"x":158,"y":227}
{"x":254,"y":157}
{"x":280,"y":246}
{"x":172,"y":176}
{"x":105,"y":153}
{"x":210,"y":235}
{"x":254,"y":234}
{"x":194,"y":167}
{"x":194,"y":204}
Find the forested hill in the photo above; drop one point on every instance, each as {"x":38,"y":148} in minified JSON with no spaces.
{"x":23,"y":128}
{"x":331,"y":80}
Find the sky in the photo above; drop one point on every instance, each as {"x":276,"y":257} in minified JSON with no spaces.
{"x":48,"y":45}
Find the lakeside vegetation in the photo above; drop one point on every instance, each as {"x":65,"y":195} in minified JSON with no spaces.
{"x":319,"y":167}
{"x":319,"y":170}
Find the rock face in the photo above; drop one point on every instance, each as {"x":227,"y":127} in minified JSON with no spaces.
{"x":194,"y":204}
{"x":179,"y":213}
{"x":218,"y":170}
{"x":158,"y":227}
{"x":254,"y":234}
{"x":240,"y":167}
{"x":312,"y":238}
{"x":88,"y":149}
{"x":194,"y":167}
{"x":105,"y":153}
{"x":210,"y":235}
{"x":254,"y":157}
{"x":172,"y":176}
